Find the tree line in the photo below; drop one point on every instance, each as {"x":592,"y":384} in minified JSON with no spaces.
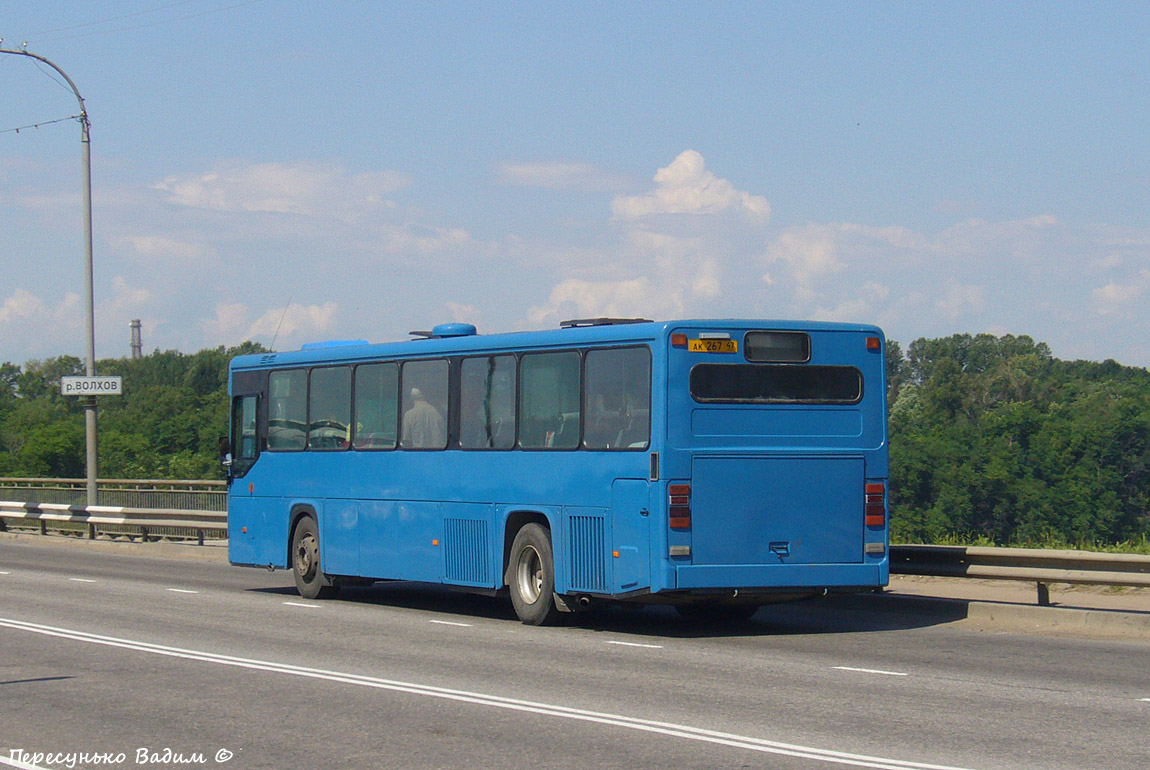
{"x":991,"y":438}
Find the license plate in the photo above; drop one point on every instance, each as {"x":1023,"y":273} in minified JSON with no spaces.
{"x":713,"y":346}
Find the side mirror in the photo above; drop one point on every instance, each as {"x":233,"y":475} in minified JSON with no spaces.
{"x":225,"y":452}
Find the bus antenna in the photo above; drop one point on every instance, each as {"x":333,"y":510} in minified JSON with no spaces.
{"x":281,"y":323}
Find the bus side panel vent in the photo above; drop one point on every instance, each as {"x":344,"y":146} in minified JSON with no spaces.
{"x":588,"y":554}
{"x":466,"y":551}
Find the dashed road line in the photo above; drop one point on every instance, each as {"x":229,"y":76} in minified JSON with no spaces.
{"x":870,"y":671}
{"x":181,"y":591}
{"x":449,"y":623}
{"x":301,"y":604}
{"x":681,"y":731}
{"x":636,"y":644}
{"x":81,"y":580}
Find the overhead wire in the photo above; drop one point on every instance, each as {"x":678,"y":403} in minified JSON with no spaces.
{"x":109,"y":20}
{"x":18,"y":129}
{"x":147,"y":25}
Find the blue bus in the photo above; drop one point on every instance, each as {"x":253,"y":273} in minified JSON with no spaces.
{"x":714,"y":465}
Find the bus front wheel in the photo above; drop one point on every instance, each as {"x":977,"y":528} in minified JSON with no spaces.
{"x":531,"y":576}
{"x":309,"y":578}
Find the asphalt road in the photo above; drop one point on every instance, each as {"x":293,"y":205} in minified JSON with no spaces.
{"x":203,"y":665}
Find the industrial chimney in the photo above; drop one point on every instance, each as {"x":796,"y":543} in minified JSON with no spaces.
{"x":137,"y":339}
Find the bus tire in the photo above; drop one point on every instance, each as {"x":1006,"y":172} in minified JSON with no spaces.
{"x":309,"y":578}
{"x":531,"y":576}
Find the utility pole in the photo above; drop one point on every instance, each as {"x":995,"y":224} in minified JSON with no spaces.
{"x":90,"y":365}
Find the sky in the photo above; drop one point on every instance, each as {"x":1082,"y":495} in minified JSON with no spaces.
{"x":287,"y":171}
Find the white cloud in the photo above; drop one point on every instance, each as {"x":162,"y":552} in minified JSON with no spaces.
{"x":295,"y":322}
{"x":687,"y":187}
{"x":1117,"y":297}
{"x":159,"y":247}
{"x":631,"y":298}
{"x":557,"y":175}
{"x":229,"y":323}
{"x":309,"y":189}
{"x":22,"y":305}
{"x":962,"y":300}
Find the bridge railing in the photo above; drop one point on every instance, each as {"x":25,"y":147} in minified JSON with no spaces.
{"x":147,"y":508}
{"x":1038,"y":566}
{"x":191,"y":495}
{"x":190,"y":509}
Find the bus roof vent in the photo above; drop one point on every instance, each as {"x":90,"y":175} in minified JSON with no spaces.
{"x":578,"y":322}
{"x":332,"y":344}
{"x":446,"y":330}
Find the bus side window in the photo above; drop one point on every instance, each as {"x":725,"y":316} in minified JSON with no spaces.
{"x":376,"y":406}
{"x":617,"y":399}
{"x":424,"y":394}
{"x":487,"y":403}
{"x":549,"y":411}
{"x":287,"y":410}
{"x":329,"y":408}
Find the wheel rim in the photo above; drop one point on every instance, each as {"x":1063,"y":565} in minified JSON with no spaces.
{"x":529,"y":575}
{"x":305,"y":557}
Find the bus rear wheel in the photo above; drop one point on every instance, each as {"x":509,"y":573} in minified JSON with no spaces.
{"x":309,"y":578}
{"x":531,"y":576}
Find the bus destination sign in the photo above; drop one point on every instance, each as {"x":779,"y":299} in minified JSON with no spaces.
{"x":92,"y":386}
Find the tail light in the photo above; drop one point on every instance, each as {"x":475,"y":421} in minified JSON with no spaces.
{"x":679,"y":509}
{"x":875,"y":505}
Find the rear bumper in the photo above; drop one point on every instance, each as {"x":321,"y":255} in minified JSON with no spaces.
{"x":781,"y":576}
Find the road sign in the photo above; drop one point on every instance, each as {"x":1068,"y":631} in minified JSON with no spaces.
{"x":92,"y":386}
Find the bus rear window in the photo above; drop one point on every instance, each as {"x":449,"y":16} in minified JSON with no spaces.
{"x":776,"y":384}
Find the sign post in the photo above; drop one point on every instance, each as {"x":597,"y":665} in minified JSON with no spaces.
{"x":90,"y":364}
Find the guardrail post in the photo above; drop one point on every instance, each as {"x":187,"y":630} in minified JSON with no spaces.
{"x":1043,"y":594}
{"x":143,"y":534}
{"x":200,"y":533}
{"x":91,"y":531}
{"x":43,"y":527}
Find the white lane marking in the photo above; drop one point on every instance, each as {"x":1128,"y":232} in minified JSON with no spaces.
{"x":870,"y":671}
{"x":1145,"y":700}
{"x":181,"y":591}
{"x":636,"y":644}
{"x":2,"y":572}
{"x":11,"y":762}
{"x":686,"y":732}
{"x":81,"y":580}
{"x":301,"y":604}
{"x":449,"y":623}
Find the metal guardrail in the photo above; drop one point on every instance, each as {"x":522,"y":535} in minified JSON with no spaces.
{"x":1041,"y":567}
{"x":102,"y":517}
{"x":194,"y":495}
{"x":1038,"y":566}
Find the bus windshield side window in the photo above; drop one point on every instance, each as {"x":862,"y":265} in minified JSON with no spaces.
{"x":329,"y":408}
{"x":376,"y":406}
{"x":487,"y":403}
{"x":549,"y":401}
{"x":424,"y":405}
{"x":245,"y":447}
{"x":287,"y":410}
{"x":617,"y":399}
